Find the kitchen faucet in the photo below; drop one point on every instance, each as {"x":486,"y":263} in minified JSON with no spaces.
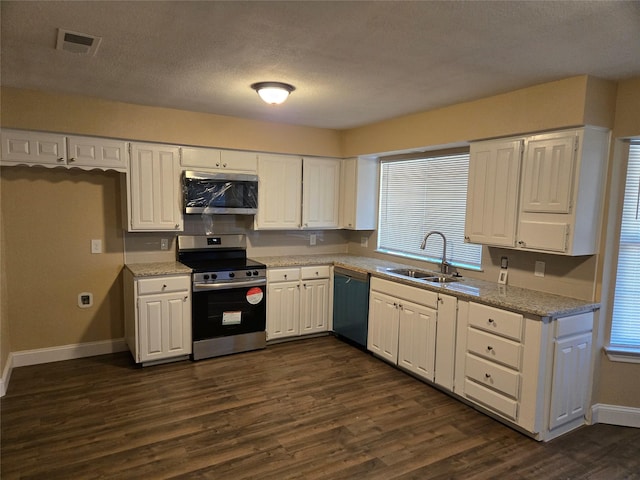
{"x":444,"y":268}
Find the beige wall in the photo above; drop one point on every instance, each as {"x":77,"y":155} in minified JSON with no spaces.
{"x":564,"y":103}
{"x":49,"y":219}
{"x":614,"y":381}
{"x":36,"y":110}
{"x":5,"y":342}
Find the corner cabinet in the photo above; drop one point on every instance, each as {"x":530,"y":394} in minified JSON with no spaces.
{"x":539,"y":193}
{"x":358,"y":193}
{"x":158,"y":317}
{"x":533,"y":372}
{"x":20,"y":147}
{"x":300,"y":301}
{"x":153,"y":188}
{"x":296,"y":192}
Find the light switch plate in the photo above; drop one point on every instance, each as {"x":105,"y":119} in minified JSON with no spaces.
{"x":312,"y":239}
{"x":539,"y":269}
{"x":96,"y":246}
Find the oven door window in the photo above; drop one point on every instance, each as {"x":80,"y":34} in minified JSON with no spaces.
{"x":220,"y":313}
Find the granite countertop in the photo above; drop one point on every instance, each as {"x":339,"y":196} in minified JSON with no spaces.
{"x":507,"y":297}
{"x":158,"y":268}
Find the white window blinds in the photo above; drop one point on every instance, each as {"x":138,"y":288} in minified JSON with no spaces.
{"x":625,"y":329}
{"x":421,"y":195}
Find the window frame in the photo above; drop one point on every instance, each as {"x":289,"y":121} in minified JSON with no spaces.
{"x":619,"y":172}
{"x":457,"y":263}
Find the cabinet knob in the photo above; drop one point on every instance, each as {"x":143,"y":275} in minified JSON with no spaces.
{"x":218,"y":164}
{"x":285,"y":275}
{"x":491,"y":320}
{"x":224,"y":165}
{"x":60,"y":159}
{"x":467,"y":238}
{"x":317,"y":273}
{"x":186,"y":297}
{"x":487,"y":375}
{"x":71,"y":160}
{"x":520,"y":242}
{"x":490,"y":348}
{"x":177,"y":226}
{"x":164,"y":286}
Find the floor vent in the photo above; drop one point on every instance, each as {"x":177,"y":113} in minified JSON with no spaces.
{"x":78,"y":43}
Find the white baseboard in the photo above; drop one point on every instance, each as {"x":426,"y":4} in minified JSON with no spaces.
{"x":6,"y":376}
{"x":615,"y":415}
{"x":56,"y":354}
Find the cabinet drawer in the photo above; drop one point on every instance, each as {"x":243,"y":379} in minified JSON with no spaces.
{"x":494,"y":400}
{"x":322,"y":271}
{"x":283,"y":275}
{"x":493,"y":376}
{"x":494,"y":320}
{"x":494,"y":348}
{"x":148,"y":286}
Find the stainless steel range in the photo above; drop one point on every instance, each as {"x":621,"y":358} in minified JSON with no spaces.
{"x":229,"y":295}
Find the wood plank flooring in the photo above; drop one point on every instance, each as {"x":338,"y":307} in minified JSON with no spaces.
{"x":311,"y":409}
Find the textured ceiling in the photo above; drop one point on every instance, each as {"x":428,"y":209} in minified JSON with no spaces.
{"x":353,"y":63}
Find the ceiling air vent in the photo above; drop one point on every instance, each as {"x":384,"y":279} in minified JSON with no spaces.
{"x":78,"y":43}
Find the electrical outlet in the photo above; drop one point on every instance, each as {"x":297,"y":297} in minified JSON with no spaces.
{"x":539,"y":269}
{"x":364,"y":242}
{"x":312,"y":239}
{"x":96,"y":246}
{"x":164,"y":244}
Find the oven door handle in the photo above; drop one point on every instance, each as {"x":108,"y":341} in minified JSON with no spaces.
{"x":203,"y":287}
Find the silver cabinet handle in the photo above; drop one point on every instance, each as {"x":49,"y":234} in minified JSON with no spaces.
{"x":71,"y":160}
{"x":60,"y":159}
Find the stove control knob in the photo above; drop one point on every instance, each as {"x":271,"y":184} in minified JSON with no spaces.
{"x":206,"y":277}
{"x":248,"y":273}
{"x":231,"y":275}
{"x":255,"y":273}
{"x":214,"y":276}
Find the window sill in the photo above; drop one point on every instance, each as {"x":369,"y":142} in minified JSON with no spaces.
{"x":623,"y":354}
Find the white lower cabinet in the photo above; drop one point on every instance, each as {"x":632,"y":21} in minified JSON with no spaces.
{"x":402,"y":326}
{"x":534,"y":372}
{"x":158,"y":317}
{"x":299,"y":301}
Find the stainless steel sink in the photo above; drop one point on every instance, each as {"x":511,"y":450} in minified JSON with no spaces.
{"x":421,"y":275}
{"x":408,"y":272}
{"x":440,"y":279}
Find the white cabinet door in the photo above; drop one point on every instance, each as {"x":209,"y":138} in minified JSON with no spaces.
{"x":97,"y":153}
{"x":283,"y":310}
{"x":446,"y":340}
{"x":572,"y":362}
{"x":321,"y":192}
{"x":164,"y":323}
{"x":382,"y":336}
{"x":279,"y":192}
{"x":358,"y":193}
{"x":33,"y":148}
{"x":417,"y":339}
{"x":154,"y":188}
{"x":213,"y":159}
{"x":314,"y":306}
{"x":492,"y":192}
{"x":547,"y":177}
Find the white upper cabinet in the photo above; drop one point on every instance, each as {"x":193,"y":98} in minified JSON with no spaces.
{"x":321,"y":193}
{"x":279,"y":192}
{"x":492,"y":192}
{"x":358,"y":193}
{"x":52,"y":150}
{"x":552,"y":204}
{"x":289,"y":201}
{"x":153,"y":188}
{"x":213,"y":159}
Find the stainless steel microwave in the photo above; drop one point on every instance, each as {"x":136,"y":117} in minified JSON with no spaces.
{"x":220,"y":193}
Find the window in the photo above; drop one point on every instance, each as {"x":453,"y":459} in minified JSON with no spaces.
{"x":625,"y":327}
{"x":421,"y":195}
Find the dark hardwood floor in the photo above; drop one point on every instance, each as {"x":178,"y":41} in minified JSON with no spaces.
{"x":312,"y":409}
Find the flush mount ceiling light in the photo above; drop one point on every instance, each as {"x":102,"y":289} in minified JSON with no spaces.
{"x":273,"y":93}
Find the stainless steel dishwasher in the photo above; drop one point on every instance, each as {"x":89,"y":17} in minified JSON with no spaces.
{"x":351,"y":305}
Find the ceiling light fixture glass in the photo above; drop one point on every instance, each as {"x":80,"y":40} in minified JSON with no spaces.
{"x":273,"y":93}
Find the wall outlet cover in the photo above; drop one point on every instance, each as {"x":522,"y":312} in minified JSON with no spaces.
{"x":164,"y":244}
{"x":312,"y":239}
{"x":364,"y":242}
{"x":96,"y":245}
{"x":85,"y":300}
{"x":539,"y":269}
{"x":502,"y":276}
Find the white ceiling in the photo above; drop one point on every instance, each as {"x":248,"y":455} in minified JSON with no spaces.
{"x":353,"y":63}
